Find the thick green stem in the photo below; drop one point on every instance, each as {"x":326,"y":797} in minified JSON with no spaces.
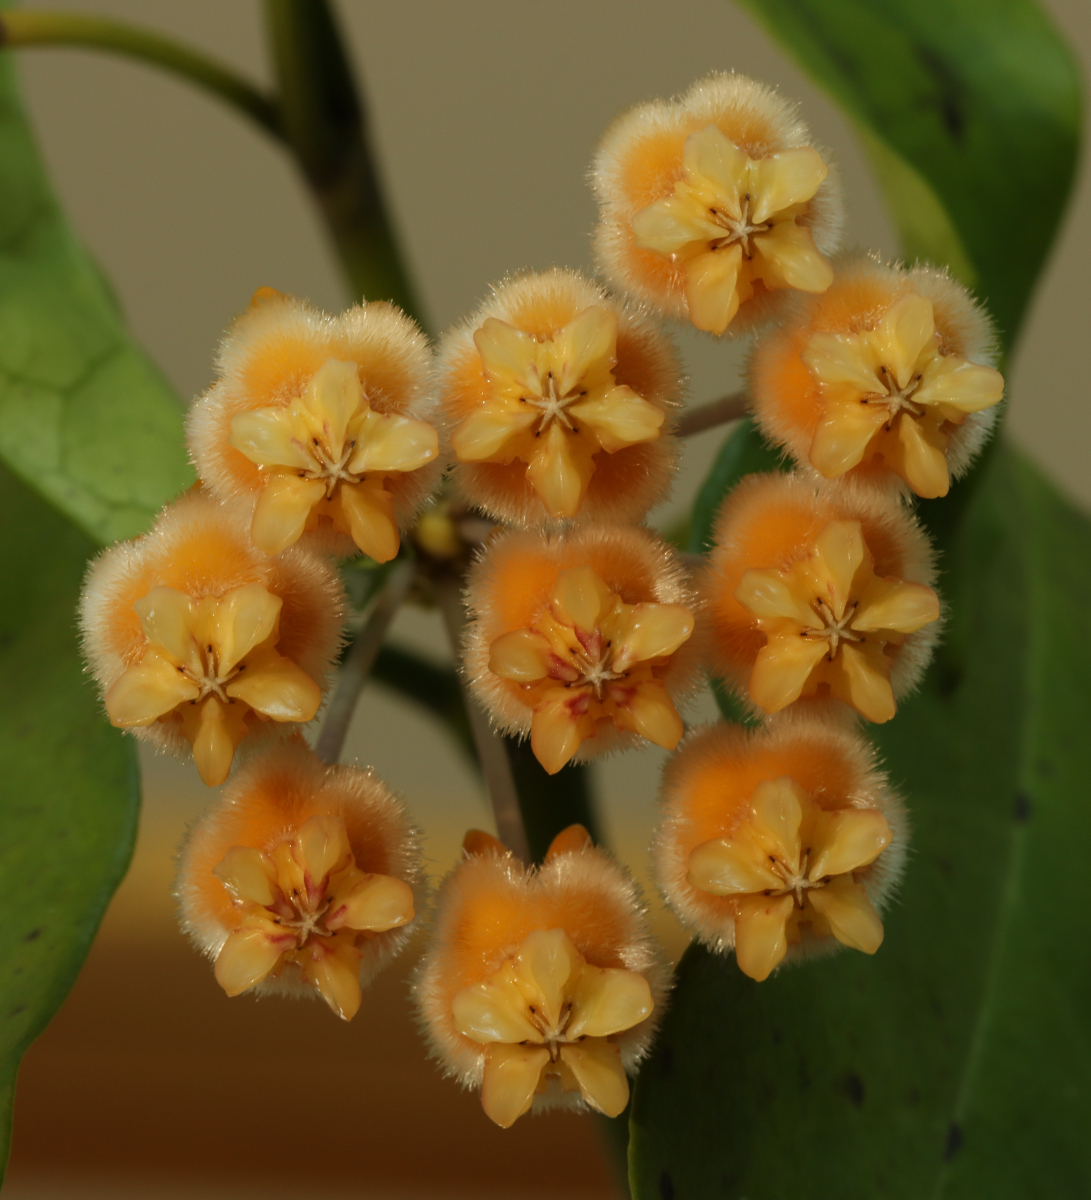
{"x":324,"y":125}
{"x":20,"y":28}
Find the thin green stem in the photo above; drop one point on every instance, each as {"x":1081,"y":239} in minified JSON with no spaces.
{"x":23,"y":29}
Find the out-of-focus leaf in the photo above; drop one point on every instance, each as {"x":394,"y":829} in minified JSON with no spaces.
{"x":86,"y":420}
{"x":972,"y":119}
{"x":956,"y":1063}
{"x":70,"y":782}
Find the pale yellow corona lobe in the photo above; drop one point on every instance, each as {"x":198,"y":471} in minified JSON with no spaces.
{"x":829,"y":619}
{"x":549,"y":1014}
{"x":790,"y":864}
{"x":326,"y":454}
{"x":213,"y":661}
{"x":590,"y":659}
{"x":731,"y":221}
{"x":890,"y":393}
{"x":305,"y":907}
{"x":554,"y":404}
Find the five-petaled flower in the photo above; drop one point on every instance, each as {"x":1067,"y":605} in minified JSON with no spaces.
{"x":554,"y":404}
{"x":731,"y":220}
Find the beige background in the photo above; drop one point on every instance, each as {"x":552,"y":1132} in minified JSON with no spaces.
{"x":485,"y":117}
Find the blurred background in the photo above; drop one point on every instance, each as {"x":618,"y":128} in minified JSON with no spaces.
{"x":485,"y":115}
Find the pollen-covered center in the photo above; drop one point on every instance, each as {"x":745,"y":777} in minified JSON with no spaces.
{"x":590,"y":658}
{"x":549,"y":1014}
{"x":831,"y":623}
{"x":304,"y":908}
{"x":211,"y":664}
{"x":790,"y":863}
{"x":554,"y":404}
{"x":326,"y":454}
{"x":889,"y":393}
{"x":731,"y":221}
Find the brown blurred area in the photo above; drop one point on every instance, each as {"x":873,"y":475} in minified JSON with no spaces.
{"x":150,"y":1083}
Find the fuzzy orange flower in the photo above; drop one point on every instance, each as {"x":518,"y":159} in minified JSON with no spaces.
{"x":558,"y":399}
{"x":197,"y":638}
{"x":540,"y":985}
{"x":303,"y":880}
{"x":785,"y":840}
{"x":887,"y":377}
{"x":584,"y":641}
{"x":819,"y":592}
{"x":716,"y":205}
{"x":322,"y":424}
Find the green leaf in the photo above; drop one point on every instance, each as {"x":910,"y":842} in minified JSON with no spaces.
{"x":972,"y":117}
{"x":71,"y":785}
{"x":86,"y":420}
{"x":955,"y":1064}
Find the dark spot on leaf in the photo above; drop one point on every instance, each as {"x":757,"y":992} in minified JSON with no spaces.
{"x":776,"y":1036}
{"x":666,"y":1187}
{"x":804,"y":1074}
{"x":853,"y":1087}
{"x":948,"y":678}
{"x":19,"y":1008}
{"x":913,"y":1096}
{"x":1021,"y":808}
{"x":954,"y":1141}
{"x":948,"y":97}
{"x":33,"y":935}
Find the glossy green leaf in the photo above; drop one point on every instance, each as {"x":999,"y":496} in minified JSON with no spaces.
{"x":972,"y":117}
{"x":71,"y":785}
{"x":956,"y":1063}
{"x":86,"y":420}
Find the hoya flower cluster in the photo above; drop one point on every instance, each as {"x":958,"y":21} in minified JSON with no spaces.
{"x":552,"y":412}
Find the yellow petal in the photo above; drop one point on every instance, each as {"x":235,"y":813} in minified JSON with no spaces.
{"x":918,"y":458}
{"x":560,"y":471}
{"x":269,"y":437}
{"x":283,"y":507}
{"x":786,"y":256}
{"x":712,"y":292}
{"x":850,"y":914}
{"x":782,"y":669}
{"x":724,"y":867}
{"x":489,"y":434}
{"x":785,"y":179}
{"x":712,"y":156}
{"x":607,"y":1000}
{"x":760,"y":937}
{"x":493,"y":1011}
{"x":959,"y":384}
{"x":214,"y":730}
{"x":778,"y":806}
{"x":276,"y":687}
{"x":336,"y":975}
{"x":651,"y":631}
{"x":248,"y":875}
{"x":376,"y":903}
{"x":521,"y":655}
{"x":863,"y":681}
{"x":244,"y":618}
{"x":245,"y":959}
{"x":839,"y":554}
{"x":843,"y":360}
{"x":894,"y":605}
{"x":545,"y":964}
{"x":554,"y":730}
{"x":842,"y":436}
{"x":585,"y":350}
{"x":333,"y":397}
{"x":510,"y":1081}
{"x":772,"y":597}
{"x":902,"y":335}
{"x":509,"y":357}
{"x":670,"y":224}
{"x":387,"y":442}
{"x":169,"y":618}
{"x":650,"y":713}
{"x":321,"y":846}
{"x":581,"y":598}
{"x":618,"y":419}
{"x":596,"y":1064}
{"x":369,"y":510}
{"x":147,"y":691}
{"x":847,"y":840}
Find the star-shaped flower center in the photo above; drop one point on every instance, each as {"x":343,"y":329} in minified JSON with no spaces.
{"x":889,"y":393}
{"x":305,"y":907}
{"x":829,"y":620}
{"x":211,"y":663}
{"x":590,"y":658}
{"x":731,"y":221}
{"x":326,"y":454}
{"x":790,"y":863}
{"x":548,"y":1013}
{"x":554,"y":404}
